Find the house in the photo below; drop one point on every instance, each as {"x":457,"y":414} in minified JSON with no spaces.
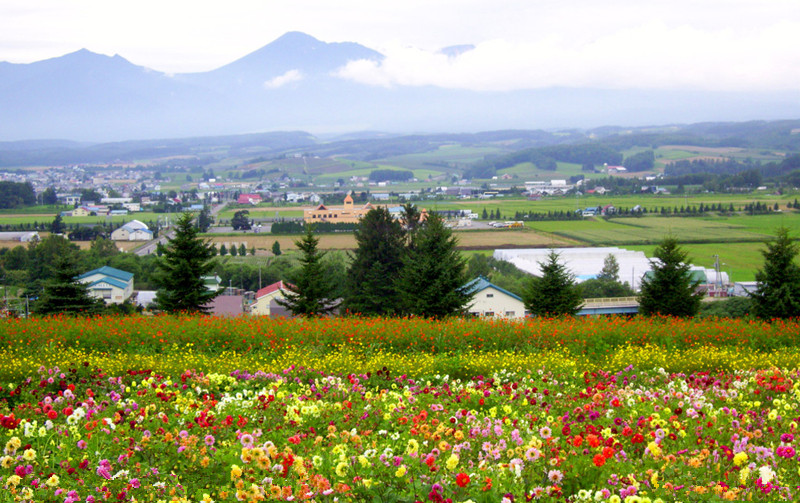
{"x":132,"y":231}
{"x":345,"y":214}
{"x":109,"y":284}
{"x":265,"y":302}
{"x":253,"y":199}
{"x":212,"y":283}
{"x":491,"y":300}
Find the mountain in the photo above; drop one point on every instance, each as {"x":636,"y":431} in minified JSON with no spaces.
{"x":292,"y":84}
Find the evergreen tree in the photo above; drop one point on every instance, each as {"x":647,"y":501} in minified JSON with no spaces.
{"x":610,"y":270}
{"x":58,"y":227}
{"x":276,"y":248}
{"x":778,"y":292}
{"x":484,"y":214}
{"x":378,"y":258}
{"x":311,"y":293}
{"x":223,"y":250}
{"x":669,"y":288}
{"x":63,"y":293}
{"x":431,"y":282}
{"x":555,"y":292}
{"x":242,"y":250}
{"x":204,"y":220}
{"x":240,"y":220}
{"x":186,"y":259}
{"x":233,"y":251}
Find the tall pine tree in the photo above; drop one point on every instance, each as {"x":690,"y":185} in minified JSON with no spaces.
{"x":431,"y":282}
{"x":555,"y":292}
{"x":185,"y":260}
{"x":311,"y":292}
{"x":669,"y":289}
{"x":378,"y":258}
{"x":778,"y":284}
{"x":64,"y":294}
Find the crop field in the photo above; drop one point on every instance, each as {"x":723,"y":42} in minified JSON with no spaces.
{"x":739,"y":260}
{"x":597,"y":232}
{"x":27,"y":218}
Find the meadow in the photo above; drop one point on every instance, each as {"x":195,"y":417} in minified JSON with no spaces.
{"x":180,"y":409}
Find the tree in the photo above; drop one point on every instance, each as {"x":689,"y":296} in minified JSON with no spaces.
{"x":242,"y":250}
{"x":777,"y":293}
{"x":57,"y":226}
{"x":63,"y":293}
{"x":233,"y":251}
{"x":669,"y":288}
{"x":276,"y":248}
{"x":311,"y":293}
{"x":602,"y":288}
{"x":376,"y":261}
{"x":555,"y":292}
{"x":186,"y":259}
{"x":610,"y":270}
{"x":411,"y":217}
{"x":49,"y":196}
{"x":240,"y":220}
{"x":223,"y":250}
{"x":431,"y":282}
{"x":204,"y":219}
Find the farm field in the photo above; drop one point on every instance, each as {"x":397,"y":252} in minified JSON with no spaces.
{"x":739,"y":260}
{"x":208,"y":409}
{"x":27,"y":218}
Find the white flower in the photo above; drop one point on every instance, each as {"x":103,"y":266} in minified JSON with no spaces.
{"x":766,"y":474}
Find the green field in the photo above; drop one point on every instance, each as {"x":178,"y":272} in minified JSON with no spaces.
{"x":739,"y":260}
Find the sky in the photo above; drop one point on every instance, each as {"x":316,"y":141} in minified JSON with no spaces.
{"x":719,"y":45}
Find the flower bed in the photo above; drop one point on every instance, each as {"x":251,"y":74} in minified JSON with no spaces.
{"x":79,"y":434}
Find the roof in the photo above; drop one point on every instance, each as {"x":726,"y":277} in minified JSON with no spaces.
{"x":109,"y":271}
{"x":280,"y":285}
{"x":227,"y":305}
{"x":480,"y":283}
{"x":134,"y":225}
{"x":111,"y":281}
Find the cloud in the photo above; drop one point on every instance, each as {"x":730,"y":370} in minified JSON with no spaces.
{"x":282,"y":80}
{"x":650,"y":55}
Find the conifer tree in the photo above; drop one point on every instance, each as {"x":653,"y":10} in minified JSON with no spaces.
{"x":378,"y":258}
{"x":432,"y":280}
{"x":186,"y":259}
{"x":669,"y":289}
{"x":64,"y":294}
{"x":778,"y":284}
{"x":555,"y":292}
{"x":311,"y":292}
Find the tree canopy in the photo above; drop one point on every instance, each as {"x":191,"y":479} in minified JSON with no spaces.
{"x":669,"y":288}
{"x":185,"y":260}
{"x":778,"y":284}
{"x":311,"y":292}
{"x":555,"y":292}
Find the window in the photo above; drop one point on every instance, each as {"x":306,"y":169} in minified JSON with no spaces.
{"x":489,"y":295}
{"x":510,"y":314}
{"x":488,"y":313}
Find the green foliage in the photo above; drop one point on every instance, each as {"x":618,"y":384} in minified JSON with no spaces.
{"x":276,"y":248}
{"x":499,"y":272}
{"x":555,"y":292}
{"x":242,"y":250}
{"x":642,"y":161}
{"x":597,"y":288}
{"x":63,"y":293}
{"x":778,"y":291}
{"x":298,"y":227}
{"x":732,"y":307}
{"x":669,"y":288}
{"x":610,"y":270}
{"x":377,"y":260}
{"x":431,"y":282}
{"x":204,"y":220}
{"x":240,"y":220}
{"x":57,"y":226}
{"x":186,"y":259}
{"x":16,"y":195}
{"x":49,"y":196}
{"x":311,"y":293}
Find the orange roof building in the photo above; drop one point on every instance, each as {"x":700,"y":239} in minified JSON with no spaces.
{"x":348,"y":213}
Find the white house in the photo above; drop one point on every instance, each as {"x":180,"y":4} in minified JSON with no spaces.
{"x":265,"y":304}
{"x":132,"y":231}
{"x":109,"y":284}
{"x":491,"y":300}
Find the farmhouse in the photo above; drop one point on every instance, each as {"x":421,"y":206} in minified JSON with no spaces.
{"x":132,"y":231}
{"x":109,"y":284}
{"x":345,"y":214}
{"x":491,"y":300}
{"x":265,"y":303}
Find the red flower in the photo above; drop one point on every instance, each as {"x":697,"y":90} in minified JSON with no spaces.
{"x":599,"y":460}
{"x":52,"y":414}
{"x":462,"y":479}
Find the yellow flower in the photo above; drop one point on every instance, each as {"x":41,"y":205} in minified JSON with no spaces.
{"x":341,"y":469}
{"x":400,"y":471}
{"x":452,"y":462}
{"x":236,"y":472}
{"x":740,"y":458}
{"x":29,"y":455}
{"x":52,"y":481}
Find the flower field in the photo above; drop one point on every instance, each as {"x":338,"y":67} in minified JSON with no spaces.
{"x":208,"y":409}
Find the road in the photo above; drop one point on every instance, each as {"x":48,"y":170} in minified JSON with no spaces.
{"x":150,"y":246}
